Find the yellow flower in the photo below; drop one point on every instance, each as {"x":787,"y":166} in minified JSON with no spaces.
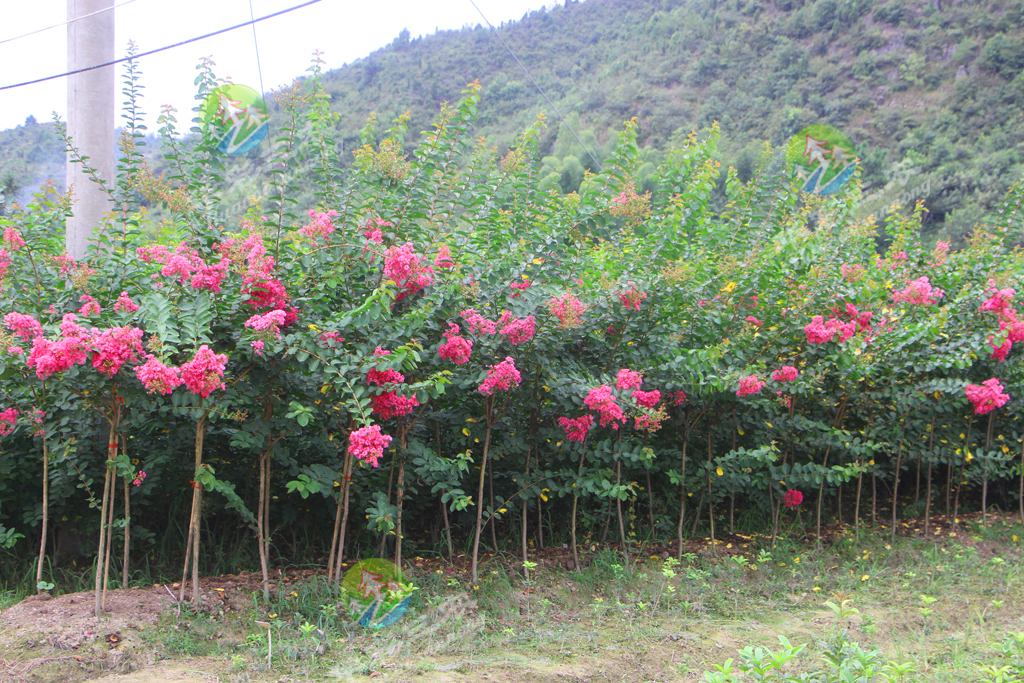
{"x":719,"y":471}
{"x":729,"y":287}
{"x":865,"y":577}
{"x":503,"y":510}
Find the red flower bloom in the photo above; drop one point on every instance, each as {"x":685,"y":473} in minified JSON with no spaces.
{"x":576,"y":430}
{"x":750,"y":385}
{"x":793,"y":498}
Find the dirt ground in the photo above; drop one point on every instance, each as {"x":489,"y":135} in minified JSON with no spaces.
{"x":59,"y":639}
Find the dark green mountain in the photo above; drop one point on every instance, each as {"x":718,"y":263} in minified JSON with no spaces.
{"x":930,"y":92}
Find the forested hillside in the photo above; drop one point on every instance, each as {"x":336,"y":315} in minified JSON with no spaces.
{"x":931,"y":92}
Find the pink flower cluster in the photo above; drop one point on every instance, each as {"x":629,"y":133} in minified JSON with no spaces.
{"x":52,"y":357}
{"x":250,"y":253}
{"x":678,"y":398}
{"x":322,"y":225}
{"x":750,"y":385}
{"x":455,"y":348}
{"x":368,"y":444}
{"x":402,"y":266}
{"x":5,"y":263}
{"x":8,"y":420}
{"x":89,"y":306}
{"x":389,"y":404}
{"x":941,"y":253}
{"x":12,"y":239}
{"x":786,"y":374}
{"x":444,"y":258}
{"x":576,"y":430}
{"x":372,"y":232}
{"x":999,"y":301}
{"x":267,"y":327}
{"x":269,"y":295}
{"x":602,"y":401}
{"x":756,"y":322}
{"x":515,"y":330}
{"x":987,"y":396}
{"x":125,"y":304}
{"x":477,"y":323}
{"x":114,"y":347}
{"x":631,"y":298}
{"x":852,"y":273}
{"x":205,"y":372}
{"x":793,"y":498}
{"x":1010,"y":328}
{"x":185,"y":264}
{"x":24,"y":326}
{"x":567,"y":309}
{"x":520,"y":287}
{"x":647,"y":399}
{"x":157,"y":377}
{"x":502,"y":376}
{"x":139,"y":478}
{"x":110,"y":348}
{"x":628,"y":379}
{"x":918,"y":292}
{"x":819,"y":331}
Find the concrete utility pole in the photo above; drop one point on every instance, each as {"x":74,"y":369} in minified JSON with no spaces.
{"x":90,"y":115}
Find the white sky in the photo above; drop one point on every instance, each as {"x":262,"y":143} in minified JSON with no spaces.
{"x":344,"y":30}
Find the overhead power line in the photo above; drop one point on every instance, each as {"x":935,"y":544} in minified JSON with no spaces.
{"x":162,"y":49}
{"x":65,"y":23}
{"x":537,"y":85}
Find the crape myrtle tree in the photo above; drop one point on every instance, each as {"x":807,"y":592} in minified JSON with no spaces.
{"x":437,"y":341}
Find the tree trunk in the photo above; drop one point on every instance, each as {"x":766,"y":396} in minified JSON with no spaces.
{"x":334,"y":536}
{"x":575,"y":501}
{"x":896,"y":482}
{"x":540,"y":519}
{"x":400,"y":492}
{"x":492,"y":521}
{"x":127,"y":535}
{"x":261,"y":523}
{"x":856,"y":508}
{"x":1021,"y":491}
{"x":46,"y":513}
{"x":192,"y":544}
{"x":618,"y":509}
{"x":346,"y":485}
{"x":984,"y":482}
{"x":928,"y":500}
{"x":522,"y":534}
{"x":696,"y":517}
{"x":874,"y":499}
{"x":447,"y":530}
{"x":110,"y":538}
{"x":104,"y":530}
{"x":928,"y":493}
{"x":488,"y":407}
{"x":682,"y":497}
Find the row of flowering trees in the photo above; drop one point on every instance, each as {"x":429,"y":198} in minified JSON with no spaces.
{"x":435,"y":343}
